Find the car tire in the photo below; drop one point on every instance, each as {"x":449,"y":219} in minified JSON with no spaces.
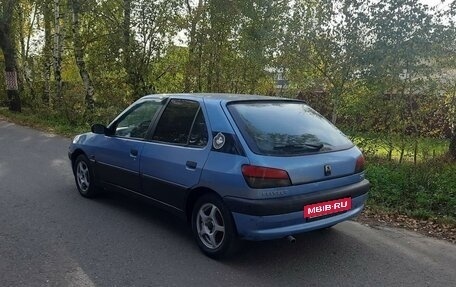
{"x":213,"y":227}
{"x":84,"y":176}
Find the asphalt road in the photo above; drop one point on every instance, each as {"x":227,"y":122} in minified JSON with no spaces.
{"x":51,"y":236}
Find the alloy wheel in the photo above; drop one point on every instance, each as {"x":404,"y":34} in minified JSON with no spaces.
{"x":82,"y":176}
{"x":210,"y":226}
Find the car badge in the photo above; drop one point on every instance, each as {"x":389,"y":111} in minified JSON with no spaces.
{"x":327,"y":170}
{"x":219,"y":141}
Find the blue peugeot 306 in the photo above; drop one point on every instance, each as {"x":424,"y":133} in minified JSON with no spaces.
{"x":236,"y":166}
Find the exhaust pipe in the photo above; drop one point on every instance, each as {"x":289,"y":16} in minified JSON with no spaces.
{"x":291,"y":239}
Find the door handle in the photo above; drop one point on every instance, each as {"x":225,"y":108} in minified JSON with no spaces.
{"x":133,"y":152}
{"x":191,"y":164}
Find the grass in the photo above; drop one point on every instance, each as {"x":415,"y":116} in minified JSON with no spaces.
{"x":425,"y":190}
{"x":392,"y":146}
{"x":46,"y":122}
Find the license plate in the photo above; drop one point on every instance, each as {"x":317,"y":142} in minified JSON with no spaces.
{"x":327,"y":207}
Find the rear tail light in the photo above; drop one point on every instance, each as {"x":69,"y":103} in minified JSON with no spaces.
{"x":359,"y":164}
{"x":265,"y":177}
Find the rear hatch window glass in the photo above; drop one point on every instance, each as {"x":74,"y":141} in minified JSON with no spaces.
{"x":286,"y":128}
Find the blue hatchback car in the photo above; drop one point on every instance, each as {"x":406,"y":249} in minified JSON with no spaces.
{"x":235,"y":166}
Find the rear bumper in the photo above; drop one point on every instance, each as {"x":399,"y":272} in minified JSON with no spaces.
{"x":277,"y":218}
{"x":262,"y":207}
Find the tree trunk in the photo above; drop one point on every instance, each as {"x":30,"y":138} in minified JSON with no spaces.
{"x":189,"y":67}
{"x":335,"y":98}
{"x":334,"y":116}
{"x":135,"y":76}
{"x":199,"y":76}
{"x":131,"y":79}
{"x":79,"y":56}
{"x":47,"y":11}
{"x":452,"y":148}
{"x":57,"y":53}
{"x":401,"y":157}
{"x":192,"y":61}
{"x":9,"y":53}
{"x":25,"y":45}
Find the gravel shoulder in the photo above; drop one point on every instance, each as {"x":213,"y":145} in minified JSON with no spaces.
{"x":431,"y":227}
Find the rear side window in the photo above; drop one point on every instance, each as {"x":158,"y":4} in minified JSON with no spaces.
{"x":176,"y":123}
{"x":199,"y":134}
{"x":286,"y":128}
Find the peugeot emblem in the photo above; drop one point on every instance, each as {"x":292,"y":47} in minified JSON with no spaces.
{"x":327,"y":170}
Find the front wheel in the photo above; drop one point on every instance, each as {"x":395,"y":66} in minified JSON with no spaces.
{"x":84,"y":177}
{"x":213,"y":227}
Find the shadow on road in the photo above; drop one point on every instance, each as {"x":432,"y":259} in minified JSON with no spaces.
{"x":322,"y":244}
{"x":145,"y":210}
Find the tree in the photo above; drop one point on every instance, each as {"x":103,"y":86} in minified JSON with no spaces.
{"x":450,"y":62}
{"x":79,"y":55}
{"x":401,"y":62}
{"x":127,"y":40}
{"x":27,"y":15}
{"x":195,"y":41}
{"x":7,"y":35}
{"x":261,"y":26}
{"x":57,"y":51}
{"x":325,"y":42}
{"x":147,"y":30}
{"x":47,"y":50}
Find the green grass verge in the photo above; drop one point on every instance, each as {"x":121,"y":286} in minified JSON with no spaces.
{"x":46,"y":122}
{"x":378,"y":145}
{"x":423,"y":191}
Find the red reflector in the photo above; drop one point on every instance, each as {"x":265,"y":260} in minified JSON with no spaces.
{"x":263,"y":172}
{"x":359,"y":164}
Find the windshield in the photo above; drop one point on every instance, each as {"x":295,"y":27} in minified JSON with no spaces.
{"x":286,"y":128}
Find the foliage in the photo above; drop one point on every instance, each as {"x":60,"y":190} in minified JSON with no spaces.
{"x":53,"y":123}
{"x":399,"y":148}
{"x":383,"y":67}
{"x":424,"y":190}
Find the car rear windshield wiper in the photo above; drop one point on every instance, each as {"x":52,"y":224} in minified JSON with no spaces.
{"x":313,"y":147}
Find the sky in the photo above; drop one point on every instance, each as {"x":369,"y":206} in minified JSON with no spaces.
{"x":439,"y":3}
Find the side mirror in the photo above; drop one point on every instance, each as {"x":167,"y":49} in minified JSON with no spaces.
{"x":99,"y":129}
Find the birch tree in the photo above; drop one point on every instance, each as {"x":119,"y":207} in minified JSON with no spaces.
{"x":47,"y":50}
{"x":127,"y":39}
{"x":27,"y":16}
{"x":7,"y":45}
{"x":57,"y":51}
{"x":78,"y":48}
{"x":193,"y":66}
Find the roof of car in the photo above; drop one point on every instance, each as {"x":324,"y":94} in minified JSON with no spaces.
{"x":217,"y":96}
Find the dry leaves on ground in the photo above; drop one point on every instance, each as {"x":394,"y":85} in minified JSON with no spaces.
{"x":427,"y":227}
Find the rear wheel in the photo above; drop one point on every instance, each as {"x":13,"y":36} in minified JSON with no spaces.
{"x":84,"y":177}
{"x":213,"y":227}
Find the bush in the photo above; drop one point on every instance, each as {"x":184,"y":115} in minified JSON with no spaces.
{"x":427,"y":189}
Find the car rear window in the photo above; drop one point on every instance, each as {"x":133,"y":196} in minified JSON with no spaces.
{"x":285,"y":128}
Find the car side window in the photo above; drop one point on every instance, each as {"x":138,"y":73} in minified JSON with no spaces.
{"x":137,"y":121}
{"x":176,"y":122}
{"x":198,"y":135}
